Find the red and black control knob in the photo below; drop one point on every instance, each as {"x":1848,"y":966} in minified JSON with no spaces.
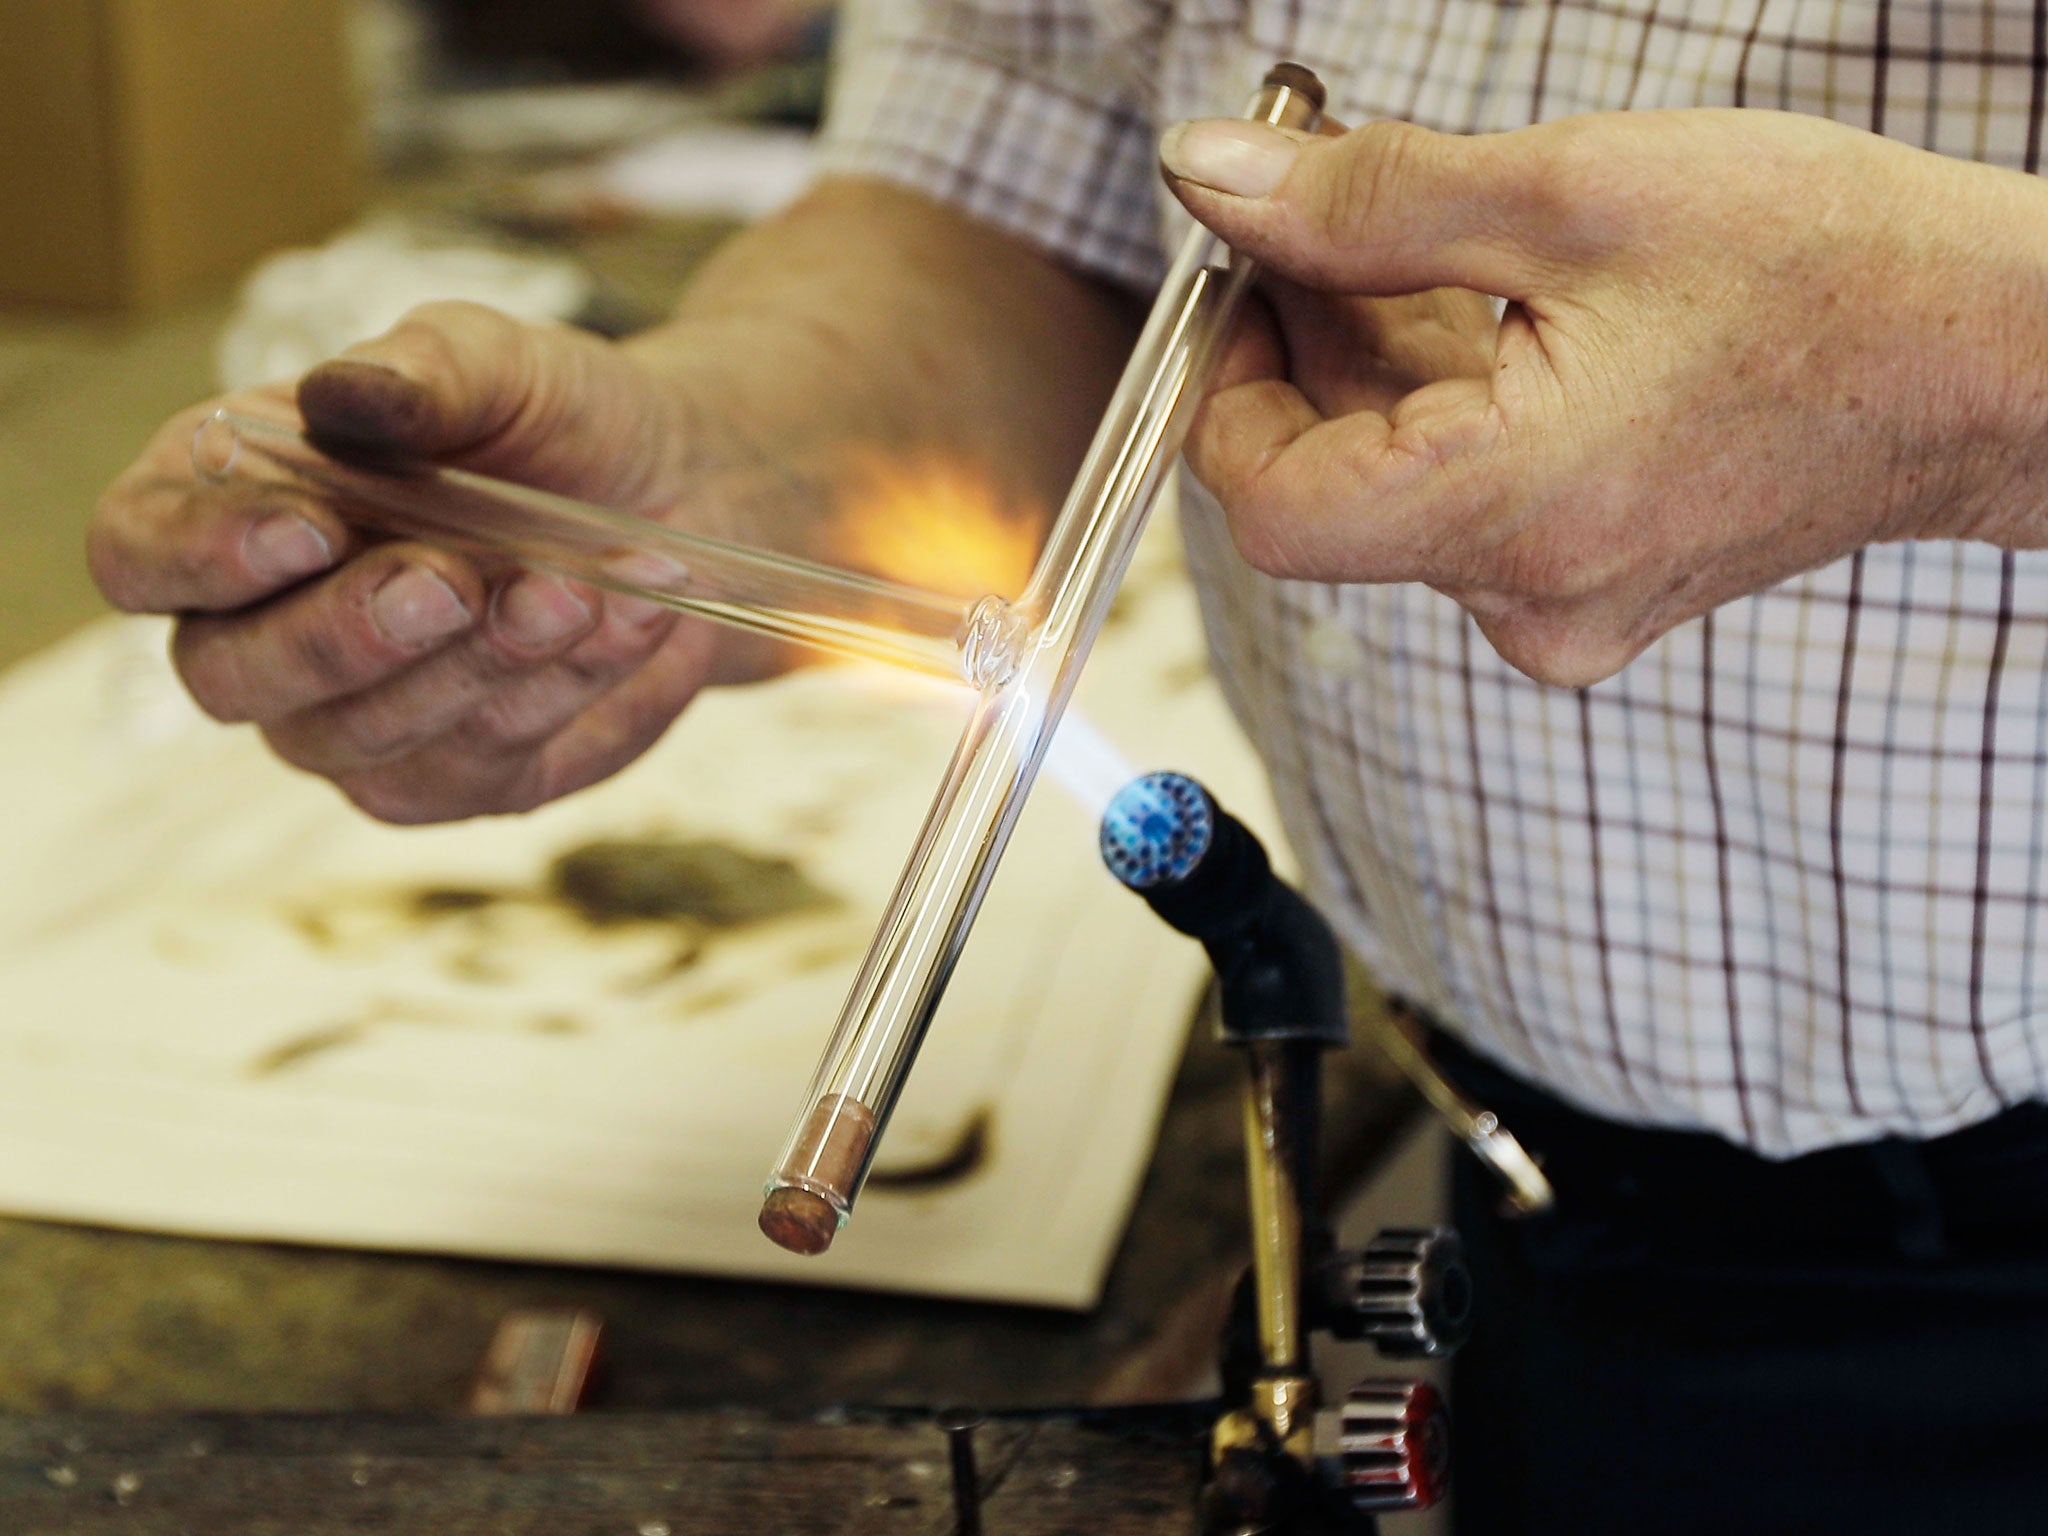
{"x":1389,"y":1447}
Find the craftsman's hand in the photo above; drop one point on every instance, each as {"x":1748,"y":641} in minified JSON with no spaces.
{"x":423,"y":689}
{"x":1738,"y":345}
{"x":866,"y":321}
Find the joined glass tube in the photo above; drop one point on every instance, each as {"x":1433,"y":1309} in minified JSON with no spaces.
{"x":925,"y":926}
{"x":735,"y":584}
{"x":1024,"y":658}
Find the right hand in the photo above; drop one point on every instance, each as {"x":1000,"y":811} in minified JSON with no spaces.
{"x":424,"y":690}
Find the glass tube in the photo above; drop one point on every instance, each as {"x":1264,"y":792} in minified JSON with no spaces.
{"x":925,"y":926}
{"x":752,"y":589}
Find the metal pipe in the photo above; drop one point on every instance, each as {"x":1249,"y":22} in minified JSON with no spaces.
{"x":1275,"y":1195}
{"x":1529,"y":1190}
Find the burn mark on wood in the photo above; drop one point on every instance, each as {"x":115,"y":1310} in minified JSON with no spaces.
{"x":314,"y":1042}
{"x":821,"y":956}
{"x":436,"y":900}
{"x":697,"y":879}
{"x":687,"y":951}
{"x":305,"y":1046}
{"x":961,"y":1161}
{"x":713,"y":1000}
{"x":679,"y":893}
{"x":313,"y":926}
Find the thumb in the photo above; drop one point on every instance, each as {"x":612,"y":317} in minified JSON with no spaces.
{"x":465,"y":384}
{"x":1384,"y":209}
{"x":446,"y":378}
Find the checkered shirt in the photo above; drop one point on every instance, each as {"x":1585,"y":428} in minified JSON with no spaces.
{"x":1783,"y":877}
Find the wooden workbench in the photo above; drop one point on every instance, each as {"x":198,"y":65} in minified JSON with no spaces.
{"x":697,"y":1474}
{"x":175,"y":1324}
{"x":137,"y":1322}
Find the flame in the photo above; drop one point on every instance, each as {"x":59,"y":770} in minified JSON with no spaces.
{"x":1086,"y":763}
{"x":945,"y":526}
{"x":938,"y":524}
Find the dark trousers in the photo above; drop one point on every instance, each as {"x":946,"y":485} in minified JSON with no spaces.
{"x":1853,"y":1343}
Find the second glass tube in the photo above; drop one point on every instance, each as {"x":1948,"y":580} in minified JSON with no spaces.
{"x":898,"y":988}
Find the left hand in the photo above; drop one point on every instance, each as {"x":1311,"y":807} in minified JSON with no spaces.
{"x":1738,"y":345}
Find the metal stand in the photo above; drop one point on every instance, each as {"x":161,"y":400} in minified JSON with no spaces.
{"x":1278,"y":1460}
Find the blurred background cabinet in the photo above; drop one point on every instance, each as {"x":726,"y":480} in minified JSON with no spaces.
{"x":150,"y":149}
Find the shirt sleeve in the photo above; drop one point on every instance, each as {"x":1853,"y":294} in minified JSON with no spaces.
{"x":1012,"y":111}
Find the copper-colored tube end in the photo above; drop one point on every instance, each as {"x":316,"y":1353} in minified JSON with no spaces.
{"x":798,"y":1220}
{"x":826,"y":1162}
{"x":1300,"y":79}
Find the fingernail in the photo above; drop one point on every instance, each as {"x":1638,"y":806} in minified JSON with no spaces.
{"x":639,"y":612}
{"x":416,"y":606}
{"x":1243,"y":159}
{"x":538,"y":610}
{"x":644,"y":568}
{"x":284,"y":546}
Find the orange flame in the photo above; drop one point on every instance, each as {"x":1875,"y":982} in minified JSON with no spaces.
{"x":936,"y":524}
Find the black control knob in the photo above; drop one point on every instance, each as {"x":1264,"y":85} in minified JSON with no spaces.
{"x":1388,"y":1448}
{"x":1408,"y":1291}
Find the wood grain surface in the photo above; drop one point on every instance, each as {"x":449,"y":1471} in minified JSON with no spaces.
{"x":139,"y":1322}
{"x":599,"y":1475}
